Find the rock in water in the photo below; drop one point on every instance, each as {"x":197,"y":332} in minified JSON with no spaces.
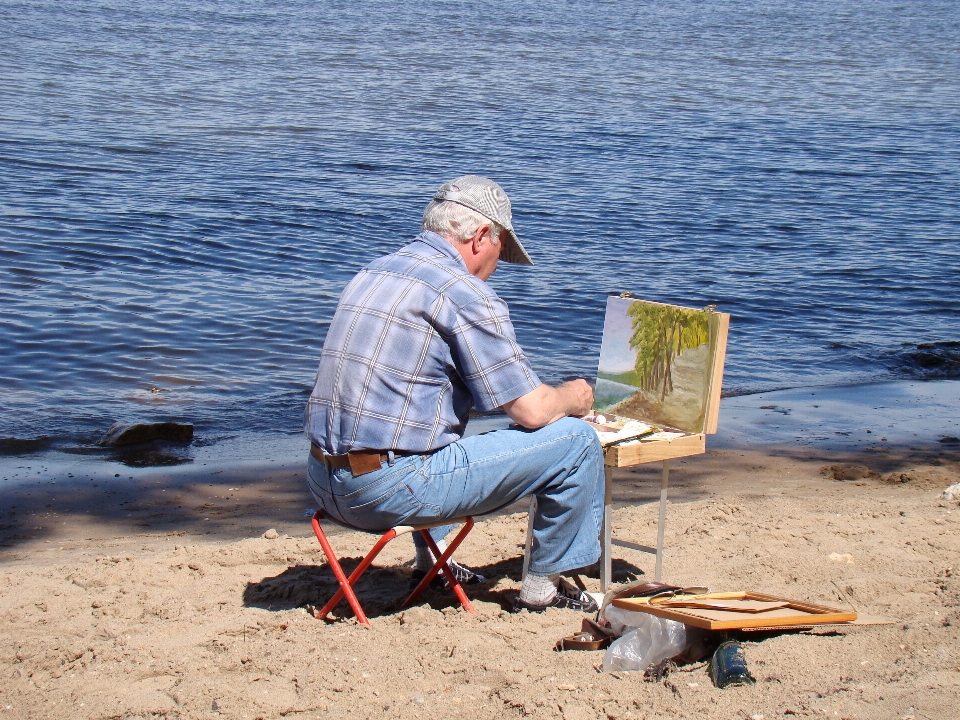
{"x":146,"y":432}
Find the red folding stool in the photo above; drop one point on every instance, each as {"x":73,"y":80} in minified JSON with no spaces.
{"x":347,"y":583}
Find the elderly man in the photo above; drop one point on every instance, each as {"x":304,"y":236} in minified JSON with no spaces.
{"x":417,"y":340}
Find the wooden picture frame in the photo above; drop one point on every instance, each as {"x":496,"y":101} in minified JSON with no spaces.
{"x":794,"y":613}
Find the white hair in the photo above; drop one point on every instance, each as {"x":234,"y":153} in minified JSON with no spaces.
{"x":453,"y":220}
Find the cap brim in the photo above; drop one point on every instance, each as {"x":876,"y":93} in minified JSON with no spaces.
{"x":513,"y":251}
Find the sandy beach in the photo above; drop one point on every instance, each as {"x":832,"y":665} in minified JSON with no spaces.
{"x":156,"y":594}
{"x":187,"y":192}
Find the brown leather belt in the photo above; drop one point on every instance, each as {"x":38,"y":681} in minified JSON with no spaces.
{"x":359,"y":462}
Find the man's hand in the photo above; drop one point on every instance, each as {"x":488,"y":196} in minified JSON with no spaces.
{"x":548,"y":404}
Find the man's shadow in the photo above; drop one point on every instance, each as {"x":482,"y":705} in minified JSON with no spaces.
{"x":382,"y":590}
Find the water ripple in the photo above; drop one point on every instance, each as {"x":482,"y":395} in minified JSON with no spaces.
{"x":186,"y":187}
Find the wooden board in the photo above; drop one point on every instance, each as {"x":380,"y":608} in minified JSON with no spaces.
{"x":654,"y":450}
{"x":738,"y":605}
{"x":796,"y":612}
{"x":861,"y":621}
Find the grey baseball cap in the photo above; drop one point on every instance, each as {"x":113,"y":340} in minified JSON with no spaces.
{"x":487,"y":198}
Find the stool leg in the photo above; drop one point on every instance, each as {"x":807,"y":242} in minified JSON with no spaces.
{"x":346,"y":584}
{"x":441,"y":564}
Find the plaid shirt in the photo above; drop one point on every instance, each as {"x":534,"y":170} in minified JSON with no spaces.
{"x":416,"y":341}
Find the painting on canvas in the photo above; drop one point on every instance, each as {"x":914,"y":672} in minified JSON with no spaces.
{"x":656,"y":362}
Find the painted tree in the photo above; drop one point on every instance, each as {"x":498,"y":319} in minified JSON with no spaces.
{"x":660,"y":334}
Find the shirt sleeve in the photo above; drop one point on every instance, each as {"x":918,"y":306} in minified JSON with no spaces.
{"x":485,"y":351}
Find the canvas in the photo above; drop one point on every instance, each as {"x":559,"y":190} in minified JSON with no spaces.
{"x":657,"y":363}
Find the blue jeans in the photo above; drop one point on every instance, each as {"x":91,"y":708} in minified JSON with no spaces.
{"x":562,"y":464}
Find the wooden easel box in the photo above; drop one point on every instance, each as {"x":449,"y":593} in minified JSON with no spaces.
{"x":694,"y":443}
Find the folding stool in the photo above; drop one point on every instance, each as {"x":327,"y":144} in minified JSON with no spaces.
{"x":347,"y":583}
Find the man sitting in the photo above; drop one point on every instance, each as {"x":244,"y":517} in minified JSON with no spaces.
{"x":418,"y":339}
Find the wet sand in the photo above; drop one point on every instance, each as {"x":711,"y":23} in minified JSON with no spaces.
{"x":154,"y":594}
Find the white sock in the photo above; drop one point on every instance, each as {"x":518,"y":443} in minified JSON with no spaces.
{"x":425,"y":559}
{"x":539,"y":589}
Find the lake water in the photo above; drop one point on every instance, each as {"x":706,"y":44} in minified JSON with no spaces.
{"x":186,"y":187}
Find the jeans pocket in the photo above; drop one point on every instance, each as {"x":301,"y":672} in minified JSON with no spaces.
{"x":351,"y":490}
{"x":392,"y":507}
{"x":444,"y":461}
{"x":442,"y":482}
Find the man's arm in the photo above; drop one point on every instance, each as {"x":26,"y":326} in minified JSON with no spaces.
{"x":547,"y":404}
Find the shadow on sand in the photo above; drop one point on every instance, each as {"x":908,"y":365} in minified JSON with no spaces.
{"x":236,"y":503}
{"x":382,"y":590}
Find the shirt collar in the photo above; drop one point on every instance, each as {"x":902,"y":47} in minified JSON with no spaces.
{"x":437,"y":242}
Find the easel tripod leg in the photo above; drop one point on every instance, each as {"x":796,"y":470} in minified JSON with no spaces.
{"x":606,"y":531}
{"x":661,"y":523}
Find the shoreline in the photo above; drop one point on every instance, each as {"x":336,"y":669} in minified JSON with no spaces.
{"x":847,"y":417}
{"x":830,"y":418}
{"x":54,"y":495}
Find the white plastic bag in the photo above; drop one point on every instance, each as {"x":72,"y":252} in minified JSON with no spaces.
{"x":622,"y":620}
{"x":646,"y":640}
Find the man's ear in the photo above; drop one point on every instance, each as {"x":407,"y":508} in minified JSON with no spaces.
{"x":484,"y":229}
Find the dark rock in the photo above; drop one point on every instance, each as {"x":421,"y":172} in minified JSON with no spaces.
{"x":120,"y":435}
{"x":926,"y":361}
{"x":950,"y":440}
